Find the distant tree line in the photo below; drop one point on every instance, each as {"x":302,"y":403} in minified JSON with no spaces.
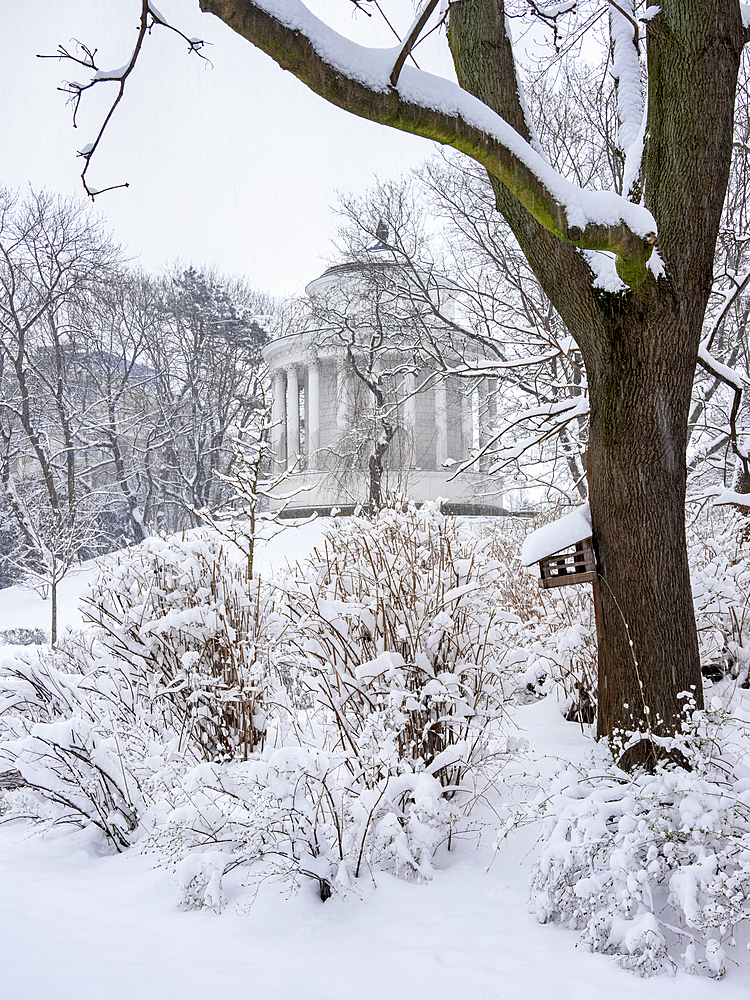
{"x":118,"y":390}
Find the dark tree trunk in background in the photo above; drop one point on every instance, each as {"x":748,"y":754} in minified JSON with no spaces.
{"x":376,"y":468}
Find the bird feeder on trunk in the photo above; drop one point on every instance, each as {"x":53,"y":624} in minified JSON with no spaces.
{"x":564,"y":550}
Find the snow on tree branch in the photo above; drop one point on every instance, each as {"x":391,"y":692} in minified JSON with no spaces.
{"x":548,"y":14}
{"x":739,"y":284}
{"x":626,"y":69}
{"x":358,"y":80}
{"x":729,"y":376}
{"x":737,"y":383}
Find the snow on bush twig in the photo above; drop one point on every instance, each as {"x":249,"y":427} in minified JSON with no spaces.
{"x":653,"y":867}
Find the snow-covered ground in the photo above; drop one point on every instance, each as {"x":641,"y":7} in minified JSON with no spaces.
{"x":75,"y":923}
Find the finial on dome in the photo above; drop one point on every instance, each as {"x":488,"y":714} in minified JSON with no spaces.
{"x":381,"y":235}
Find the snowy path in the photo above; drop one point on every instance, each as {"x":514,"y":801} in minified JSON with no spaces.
{"x":73,"y":925}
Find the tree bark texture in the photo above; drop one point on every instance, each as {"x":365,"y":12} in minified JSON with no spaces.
{"x":640,"y":386}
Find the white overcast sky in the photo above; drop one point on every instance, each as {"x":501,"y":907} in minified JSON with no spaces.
{"x":235,"y":165}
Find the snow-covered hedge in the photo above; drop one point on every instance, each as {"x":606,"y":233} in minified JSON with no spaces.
{"x":393,"y":644}
{"x":103,"y":728}
{"x":653,"y":868}
{"x":294,"y":813}
{"x":405,"y":624}
{"x":183,"y":612}
{"x":559,"y":642}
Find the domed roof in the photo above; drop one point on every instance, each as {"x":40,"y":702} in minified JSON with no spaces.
{"x":372,"y":258}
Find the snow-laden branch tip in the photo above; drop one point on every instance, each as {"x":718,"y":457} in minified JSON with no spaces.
{"x":737,"y":382}
{"x":739,"y":284}
{"x":358,"y":79}
{"x":551,"y":419}
{"x":626,"y":70}
{"x":729,"y":376}
{"x":723,"y":497}
{"x":489,"y":366}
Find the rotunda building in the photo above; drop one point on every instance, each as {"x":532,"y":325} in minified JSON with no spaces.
{"x":360,"y":412}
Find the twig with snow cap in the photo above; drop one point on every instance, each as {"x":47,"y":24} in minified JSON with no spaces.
{"x":737,"y":382}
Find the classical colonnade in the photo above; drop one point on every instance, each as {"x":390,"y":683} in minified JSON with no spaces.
{"x":317,"y":401}
{"x":325,"y":426}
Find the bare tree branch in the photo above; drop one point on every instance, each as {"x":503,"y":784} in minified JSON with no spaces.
{"x":150,"y":17}
{"x":737,"y":384}
{"x":411,"y":40}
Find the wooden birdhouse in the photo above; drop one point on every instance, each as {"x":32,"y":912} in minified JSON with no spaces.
{"x":564,"y":550}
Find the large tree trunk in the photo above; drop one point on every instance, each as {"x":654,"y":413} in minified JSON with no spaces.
{"x":640,"y":384}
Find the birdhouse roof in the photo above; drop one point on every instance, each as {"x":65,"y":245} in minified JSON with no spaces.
{"x":558,"y":535}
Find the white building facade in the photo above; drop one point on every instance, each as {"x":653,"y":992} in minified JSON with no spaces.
{"x":326,"y":423}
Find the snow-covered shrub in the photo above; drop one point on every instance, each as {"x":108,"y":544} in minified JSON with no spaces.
{"x":295,"y":814}
{"x":71,"y":727}
{"x":395,"y":630}
{"x":720,"y":576}
{"x":104,"y":731}
{"x":401,"y":619}
{"x":185,"y":615}
{"x":556,"y":640}
{"x":653,"y":868}
{"x":280,"y":816}
{"x":563,"y":651}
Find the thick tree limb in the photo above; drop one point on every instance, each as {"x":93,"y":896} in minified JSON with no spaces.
{"x":424,"y":105}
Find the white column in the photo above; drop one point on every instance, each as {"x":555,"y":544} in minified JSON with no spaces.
{"x":292,"y":417}
{"x":441,"y":425}
{"x":492,"y":402}
{"x":467,"y":422}
{"x":313,"y":413}
{"x":342,"y":396}
{"x":483,"y":416}
{"x":278,"y":421}
{"x":410,"y":419}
